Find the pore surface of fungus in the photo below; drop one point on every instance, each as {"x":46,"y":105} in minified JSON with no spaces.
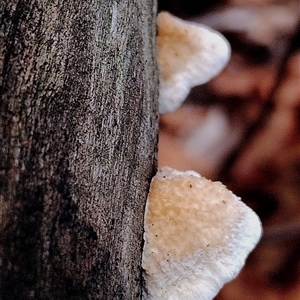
{"x":188,"y":54}
{"x":197,"y":236}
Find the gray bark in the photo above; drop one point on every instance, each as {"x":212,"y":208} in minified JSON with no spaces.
{"x":78,"y":137}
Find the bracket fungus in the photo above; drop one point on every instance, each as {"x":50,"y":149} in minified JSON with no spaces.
{"x":188,"y":54}
{"x":197,"y":236}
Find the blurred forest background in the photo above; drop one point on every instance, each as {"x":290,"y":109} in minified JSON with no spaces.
{"x":243,"y":128}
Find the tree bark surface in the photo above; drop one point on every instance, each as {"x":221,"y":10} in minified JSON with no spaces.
{"x":78,"y":139}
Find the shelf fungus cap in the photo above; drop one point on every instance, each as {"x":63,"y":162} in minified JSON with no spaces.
{"x":188,"y":54}
{"x":197,"y":236}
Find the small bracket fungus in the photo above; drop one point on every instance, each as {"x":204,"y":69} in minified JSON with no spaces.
{"x":188,"y":54}
{"x":197,"y":236}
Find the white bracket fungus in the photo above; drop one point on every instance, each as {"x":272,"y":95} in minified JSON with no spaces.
{"x":188,"y":54}
{"x":197,"y":236}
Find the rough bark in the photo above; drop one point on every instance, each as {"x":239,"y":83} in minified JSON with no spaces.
{"x":78,"y":133}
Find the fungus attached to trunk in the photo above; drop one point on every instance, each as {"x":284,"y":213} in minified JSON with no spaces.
{"x":188,"y":54}
{"x":197,"y":236}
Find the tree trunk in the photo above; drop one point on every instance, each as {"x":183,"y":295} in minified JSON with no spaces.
{"x":78,"y":134}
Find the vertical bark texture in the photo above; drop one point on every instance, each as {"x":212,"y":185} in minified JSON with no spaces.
{"x":78,"y":133}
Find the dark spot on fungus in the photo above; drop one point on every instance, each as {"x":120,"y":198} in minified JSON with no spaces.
{"x":191,"y":185}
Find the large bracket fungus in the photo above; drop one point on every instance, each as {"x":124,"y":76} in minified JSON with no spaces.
{"x":197,"y":236}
